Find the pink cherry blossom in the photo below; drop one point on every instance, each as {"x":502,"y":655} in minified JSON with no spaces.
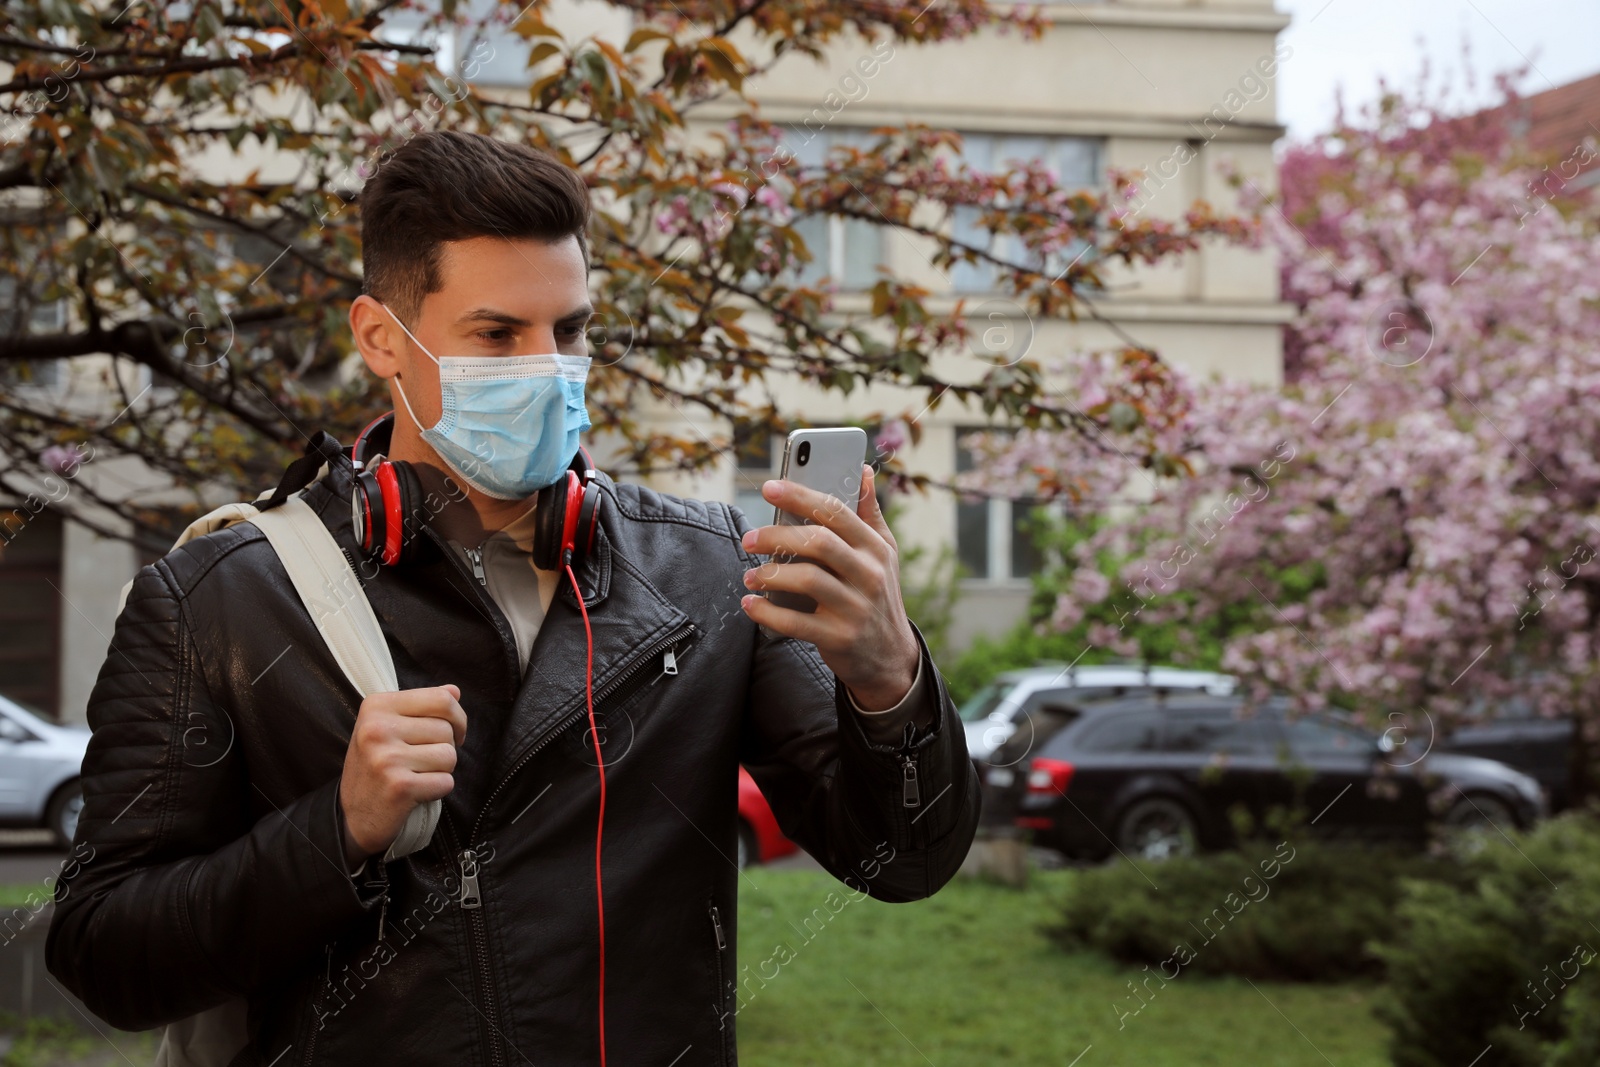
{"x":1412,"y":521}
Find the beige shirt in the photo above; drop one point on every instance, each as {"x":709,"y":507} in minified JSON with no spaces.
{"x":522,"y":591}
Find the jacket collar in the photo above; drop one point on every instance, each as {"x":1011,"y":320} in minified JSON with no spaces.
{"x":631,"y":622}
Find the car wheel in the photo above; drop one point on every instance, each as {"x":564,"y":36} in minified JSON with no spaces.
{"x":61,"y":817}
{"x":1157,"y":828}
{"x":749,"y":853}
{"x":1478,"y":813}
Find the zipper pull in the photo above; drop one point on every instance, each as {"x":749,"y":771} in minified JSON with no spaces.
{"x":716,"y":924}
{"x":476,"y":556}
{"x":910,"y":789}
{"x":911,"y":793}
{"x":669,"y":662}
{"x":469,"y":880}
{"x":378,"y":875}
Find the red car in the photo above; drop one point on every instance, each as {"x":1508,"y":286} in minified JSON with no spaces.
{"x":760,"y":840}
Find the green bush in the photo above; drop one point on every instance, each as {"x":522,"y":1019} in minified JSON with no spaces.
{"x":1301,"y":911}
{"x":1506,"y":961}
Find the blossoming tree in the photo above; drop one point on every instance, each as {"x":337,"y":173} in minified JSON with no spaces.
{"x":1410,"y":526}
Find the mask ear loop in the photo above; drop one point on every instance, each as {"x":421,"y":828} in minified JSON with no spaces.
{"x":398,"y":387}
{"x":600,"y":824}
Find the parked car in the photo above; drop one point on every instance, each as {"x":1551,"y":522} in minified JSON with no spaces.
{"x":1156,"y":776}
{"x":991,"y":715}
{"x":1536,"y":746}
{"x":39,"y":765}
{"x":760,"y":840}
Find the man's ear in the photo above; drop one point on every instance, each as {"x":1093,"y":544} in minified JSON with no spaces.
{"x":377,"y":336}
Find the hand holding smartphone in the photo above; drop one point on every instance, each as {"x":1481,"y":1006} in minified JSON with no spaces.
{"x":829,"y":460}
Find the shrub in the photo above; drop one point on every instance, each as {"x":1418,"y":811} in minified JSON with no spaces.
{"x":1505,"y":962}
{"x":1301,"y":911}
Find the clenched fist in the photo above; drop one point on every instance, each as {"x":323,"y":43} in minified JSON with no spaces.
{"x":401,"y":753}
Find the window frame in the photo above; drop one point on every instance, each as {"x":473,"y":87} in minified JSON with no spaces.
{"x":1002,"y":519}
{"x":983,"y":278}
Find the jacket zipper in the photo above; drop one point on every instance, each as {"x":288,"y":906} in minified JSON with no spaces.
{"x":722,"y":978}
{"x":630,"y":679}
{"x":477,"y":933}
{"x":471,"y":900}
{"x":486,"y":603}
{"x":910,"y":788}
{"x":326,"y":986}
{"x":478,"y":938}
{"x":319,"y":997}
{"x":476,"y":556}
{"x":910,"y":775}
{"x":382,"y":881}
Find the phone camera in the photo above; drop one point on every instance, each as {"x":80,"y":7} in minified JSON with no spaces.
{"x":803,"y":454}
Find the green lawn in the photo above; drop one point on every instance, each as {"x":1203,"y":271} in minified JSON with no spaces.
{"x":964,"y":978}
{"x":968,"y":978}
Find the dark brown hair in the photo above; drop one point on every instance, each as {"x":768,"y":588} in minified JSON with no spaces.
{"x":444,"y":185}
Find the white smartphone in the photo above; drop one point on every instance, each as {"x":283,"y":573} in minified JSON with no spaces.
{"x":828,"y":460}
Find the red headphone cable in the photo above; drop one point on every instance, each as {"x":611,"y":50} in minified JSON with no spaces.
{"x":599,"y":830}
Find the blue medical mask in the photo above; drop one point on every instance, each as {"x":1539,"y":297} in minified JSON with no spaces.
{"x":509,"y":425}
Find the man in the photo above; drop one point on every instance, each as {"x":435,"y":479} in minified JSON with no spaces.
{"x":235,"y":780}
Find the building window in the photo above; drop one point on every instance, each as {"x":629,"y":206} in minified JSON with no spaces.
{"x":30,"y":607}
{"x":847,"y":250}
{"x":1077,"y":163}
{"x":22,"y":315}
{"x":994,"y":541}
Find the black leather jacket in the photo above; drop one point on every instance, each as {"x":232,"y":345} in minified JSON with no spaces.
{"x":211,"y":802}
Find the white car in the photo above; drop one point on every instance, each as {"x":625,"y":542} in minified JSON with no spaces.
{"x":990,"y":715}
{"x":39,"y":766}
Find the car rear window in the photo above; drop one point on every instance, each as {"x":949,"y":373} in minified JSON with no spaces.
{"x":1134,"y":731}
{"x":1310,"y":735}
{"x":1219,"y":731}
{"x":980,"y":704}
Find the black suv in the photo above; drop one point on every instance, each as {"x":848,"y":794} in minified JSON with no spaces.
{"x":1153,"y":777}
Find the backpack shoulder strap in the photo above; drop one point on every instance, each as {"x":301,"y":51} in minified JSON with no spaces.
{"x":343,"y":615}
{"x":331,"y":592}
{"x":333,"y":596}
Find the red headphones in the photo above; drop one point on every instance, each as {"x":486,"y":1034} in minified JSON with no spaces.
{"x":388,"y":504}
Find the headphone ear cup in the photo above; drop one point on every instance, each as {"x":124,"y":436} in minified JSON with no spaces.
{"x":549,"y":520}
{"x":588,"y":522}
{"x":366,"y":512}
{"x":407,"y":508}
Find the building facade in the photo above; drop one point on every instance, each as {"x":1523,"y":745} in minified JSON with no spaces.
{"x":1183,"y":92}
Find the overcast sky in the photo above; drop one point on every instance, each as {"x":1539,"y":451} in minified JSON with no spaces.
{"x":1350,"y":43}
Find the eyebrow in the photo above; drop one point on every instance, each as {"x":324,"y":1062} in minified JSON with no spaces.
{"x":505,"y":318}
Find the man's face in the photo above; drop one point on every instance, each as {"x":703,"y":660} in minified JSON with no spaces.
{"x":498,"y":298}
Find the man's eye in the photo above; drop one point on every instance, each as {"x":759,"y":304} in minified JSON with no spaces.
{"x":570,"y":334}
{"x":494,"y":336}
